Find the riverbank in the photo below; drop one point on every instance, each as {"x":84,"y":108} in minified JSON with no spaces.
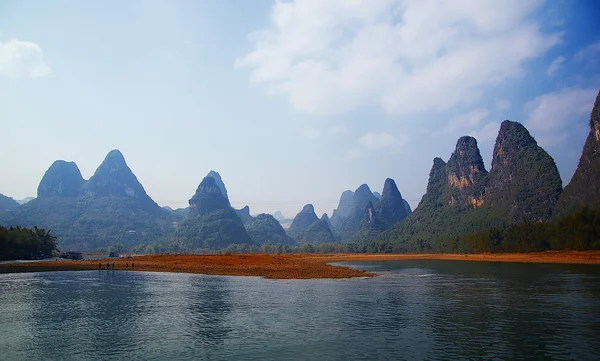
{"x":285,"y":266}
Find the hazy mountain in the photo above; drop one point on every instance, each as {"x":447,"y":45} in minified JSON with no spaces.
{"x":303,"y":220}
{"x":219,"y":182}
{"x":264,"y":228}
{"x":7,"y":203}
{"x":244,"y":214}
{"x":211,"y":223}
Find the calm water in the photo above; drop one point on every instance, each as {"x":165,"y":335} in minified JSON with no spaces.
{"x":434,"y":310}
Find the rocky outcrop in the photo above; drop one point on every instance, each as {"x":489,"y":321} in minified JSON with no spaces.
{"x":211,"y":222}
{"x":303,"y":220}
{"x":219,"y":183}
{"x":466,"y":175}
{"x":62,"y":179}
{"x":584,"y":188}
{"x":524,"y":181}
{"x":392,"y":207}
{"x":362,"y":197}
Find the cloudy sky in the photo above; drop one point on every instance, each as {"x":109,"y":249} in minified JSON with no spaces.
{"x":291,"y":101}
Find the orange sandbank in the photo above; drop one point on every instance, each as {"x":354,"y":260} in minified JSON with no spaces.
{"x":285,"y":266}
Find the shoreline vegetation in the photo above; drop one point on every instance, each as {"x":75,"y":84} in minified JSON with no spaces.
{"x":285,"y":266}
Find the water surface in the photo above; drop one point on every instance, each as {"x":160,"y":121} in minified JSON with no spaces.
{"x":422,"y":309}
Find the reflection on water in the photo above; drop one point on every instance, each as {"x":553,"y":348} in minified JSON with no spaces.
{"x":421,"y":309}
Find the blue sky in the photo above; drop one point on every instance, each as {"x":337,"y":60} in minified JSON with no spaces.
{"x":292,"y":102}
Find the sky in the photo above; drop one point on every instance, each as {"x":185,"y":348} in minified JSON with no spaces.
{"x":292,"y":102}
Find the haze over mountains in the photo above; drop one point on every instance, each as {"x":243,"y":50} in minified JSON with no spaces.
{"x":523,"y":184}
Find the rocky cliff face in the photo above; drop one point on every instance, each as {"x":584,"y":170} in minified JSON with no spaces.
{"x":584,"y":188}
{"x":207,"y":199}
{"x":351,"y":224}
{"x":62,"y":179}
{"x":524,"y":181}
{"x":466,"y":175}
{"x":303,"y":220}
{"x":219,"y":182}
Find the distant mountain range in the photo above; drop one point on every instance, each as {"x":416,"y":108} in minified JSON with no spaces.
{"x":523,"y":185}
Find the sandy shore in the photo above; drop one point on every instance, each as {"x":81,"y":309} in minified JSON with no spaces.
{"x":289,"y":266}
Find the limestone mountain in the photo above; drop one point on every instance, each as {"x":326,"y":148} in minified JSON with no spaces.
{"x":584,"y":188}
{"x":318,"y":232}
{"x":524,"y":181}
{"x":111,"y":207}
{"x":377,"y":195}
{"x":351,"y":224}
{"x":303,"y":220}
{"x":279,"y":216}
{"x":462,"y":197}
{"x":264,"y":228}
{"x":391,"y":207}
{"x":7,"y":203}
{"x":343,"y":210}
{"x":211,"y":222}
{"x":244,"y":214}
{"x":114,"y":178}
{"x":325,"y":217}
{"x":219,"y":182}
{"x":61,"y":179}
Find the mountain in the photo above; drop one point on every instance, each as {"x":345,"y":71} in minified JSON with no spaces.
{"x":279,"y":216}
{"x":391,"y":207}
{"x":264,"y":228}
{"x":61,"y":179}
{"x":584,"y":188}
{"x":319,"y":232}
{"x":211,"y":223}
{"x":351,"y":224}
{"x":462,"y":197}
{"x":114,"y":178}
{"x":7,"y":203}
{"x":244,"y":214}
{"x":219,"y":183}
{"x":343,"y":210}
{"x":303,"y":220}
{"x":524,"y":181}
{"x":111,"y":207}
{"x":377,"y":195}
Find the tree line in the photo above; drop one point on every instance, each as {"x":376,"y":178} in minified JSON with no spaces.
{"x":25,"y":243}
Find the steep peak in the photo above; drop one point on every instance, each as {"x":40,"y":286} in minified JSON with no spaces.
{"x":325,"y":217}
{"x":390,"y":189}
{"x":114,"y":178}
{"x":391,"y":209}
{"x":512,"y":137}
{"x":377,"y":195}
{"x":437,"y":176}
{"x":465,"y":167}
{"x":308,"y":208}
{"x":303,"y":220}
{"x":61,"y":179}
{"x":595,"y":119}
{"x":208,"y":198}
{"x":278,"y":216}
{"x":219,"y":182}
{"x":363,"y":190}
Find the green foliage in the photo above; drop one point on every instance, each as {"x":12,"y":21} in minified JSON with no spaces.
{"x":21,"y":243}
{"x":266,"y":229}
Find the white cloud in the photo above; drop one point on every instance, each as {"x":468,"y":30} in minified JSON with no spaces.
{"x":588,"y":53}
{"x":22,"y":59}
{"x":406,"y":56}
{"x":502,"y":104}
{"x":555,"y":65}
{"x":465,"y":121}
{"x":379,"y":140}
{"x":552,"y":115}
{"x":487,"y":133}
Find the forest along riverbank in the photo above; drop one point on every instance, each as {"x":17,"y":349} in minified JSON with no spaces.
{"x":285,"y":266}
